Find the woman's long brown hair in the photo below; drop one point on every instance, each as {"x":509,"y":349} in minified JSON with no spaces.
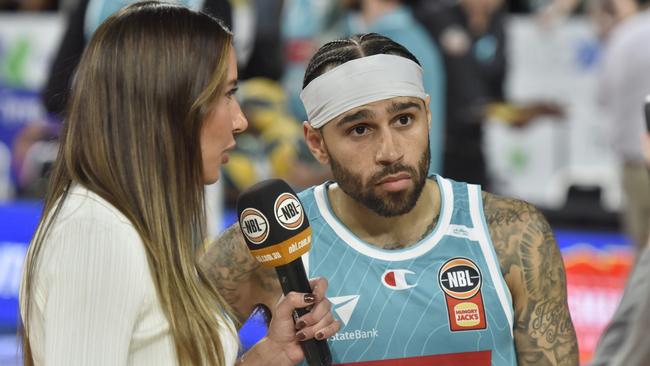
{"x":145,"y":83}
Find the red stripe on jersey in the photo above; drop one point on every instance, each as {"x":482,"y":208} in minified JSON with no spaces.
{"x":481,"y":358}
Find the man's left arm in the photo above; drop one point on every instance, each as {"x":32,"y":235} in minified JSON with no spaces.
{"x":532,"y":267}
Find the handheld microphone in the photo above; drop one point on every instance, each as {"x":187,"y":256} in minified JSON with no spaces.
{"x":277,"y":232}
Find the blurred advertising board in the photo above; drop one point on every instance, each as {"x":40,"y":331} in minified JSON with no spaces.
{"x":17,"y":224}
{"x":597,"y":265}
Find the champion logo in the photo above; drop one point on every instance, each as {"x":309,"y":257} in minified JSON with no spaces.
{"x":395,"y":279}
{"x":344,"y":306}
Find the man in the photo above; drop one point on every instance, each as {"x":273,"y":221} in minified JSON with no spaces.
{"x":421,"y":270}
{"x":623,"y":84}
{"x":395,"y":20}
{"x":624,"y":342}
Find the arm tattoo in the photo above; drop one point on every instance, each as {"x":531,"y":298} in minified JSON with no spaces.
{"x":240,"y":279}
{"x":532,"y":266}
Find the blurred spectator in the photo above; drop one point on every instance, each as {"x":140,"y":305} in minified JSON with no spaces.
{"x":30,"y":5}
{"x":82,"y":22}
{"x":259,"y":25}
{"x":257,"y":38}
{"x":6,"y":190}
{"x":29,"y":158}
{"x":646,"y":149}
{"x":272,"y":146}
{"x":552,"y":11}
{"x":623,"y":85}
{"x":625,"y":69}
{"x":33,"y":153}
{"x":624,"y":342}
{"x":305,"y":24}
{"x":393,"y":19}
{"x":266,"y":58}
{"x":471,"y":36}
{"x":607,"y":14}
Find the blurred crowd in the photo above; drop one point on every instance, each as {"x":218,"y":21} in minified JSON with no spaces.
{"x":461,"y":45}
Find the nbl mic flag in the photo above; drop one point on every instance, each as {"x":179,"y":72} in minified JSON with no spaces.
{"x":277,"y":232}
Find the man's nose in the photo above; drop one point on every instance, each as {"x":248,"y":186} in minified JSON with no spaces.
{"x":388,"y":150}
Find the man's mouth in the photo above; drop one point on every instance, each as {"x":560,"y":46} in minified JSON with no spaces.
{"x":395,"y":182}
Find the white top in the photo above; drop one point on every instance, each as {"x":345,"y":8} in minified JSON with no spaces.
{"x":624,"y":84}
{"x":95,"y":302}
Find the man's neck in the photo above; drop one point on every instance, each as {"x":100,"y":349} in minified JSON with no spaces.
{"x":389,"y":232}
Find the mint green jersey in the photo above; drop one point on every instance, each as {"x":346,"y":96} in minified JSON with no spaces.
{"x":440,"y":301}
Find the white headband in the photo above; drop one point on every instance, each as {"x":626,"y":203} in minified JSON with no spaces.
{"x":358,"y":82}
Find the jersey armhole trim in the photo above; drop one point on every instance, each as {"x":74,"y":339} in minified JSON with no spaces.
{"x":487,"y":247}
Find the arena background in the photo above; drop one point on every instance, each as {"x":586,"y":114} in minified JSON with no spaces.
{"x":563,"y":166}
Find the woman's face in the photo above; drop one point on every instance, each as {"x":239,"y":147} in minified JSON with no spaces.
{"x":224,"y":120}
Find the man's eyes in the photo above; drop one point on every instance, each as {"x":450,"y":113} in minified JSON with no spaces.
{"x":405,"y":119}
{"x":358,"y":130}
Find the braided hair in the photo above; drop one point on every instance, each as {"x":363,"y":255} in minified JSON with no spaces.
{"x":338,"y":52}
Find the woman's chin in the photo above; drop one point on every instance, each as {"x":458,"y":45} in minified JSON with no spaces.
{"x":211,"y":179}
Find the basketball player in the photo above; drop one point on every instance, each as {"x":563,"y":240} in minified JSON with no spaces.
{"x":422,"y":270}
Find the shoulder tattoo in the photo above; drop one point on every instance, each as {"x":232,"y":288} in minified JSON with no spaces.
{"x":532,"y":265}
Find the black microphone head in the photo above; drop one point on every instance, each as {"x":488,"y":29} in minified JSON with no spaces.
{"x":277,"y":232}
{"x":274,"y":223}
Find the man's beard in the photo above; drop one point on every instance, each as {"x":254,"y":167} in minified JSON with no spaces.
{"x":388,"y":204}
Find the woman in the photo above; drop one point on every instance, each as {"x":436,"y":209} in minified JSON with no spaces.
{"x":110,"y":276}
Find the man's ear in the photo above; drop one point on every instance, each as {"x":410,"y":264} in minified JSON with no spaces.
{"x":315,"y":142}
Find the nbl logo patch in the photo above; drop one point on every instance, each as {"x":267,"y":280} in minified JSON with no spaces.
{"x":254,"y":225}
{"x":288,"y":211}
{"x":460,"y":279}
